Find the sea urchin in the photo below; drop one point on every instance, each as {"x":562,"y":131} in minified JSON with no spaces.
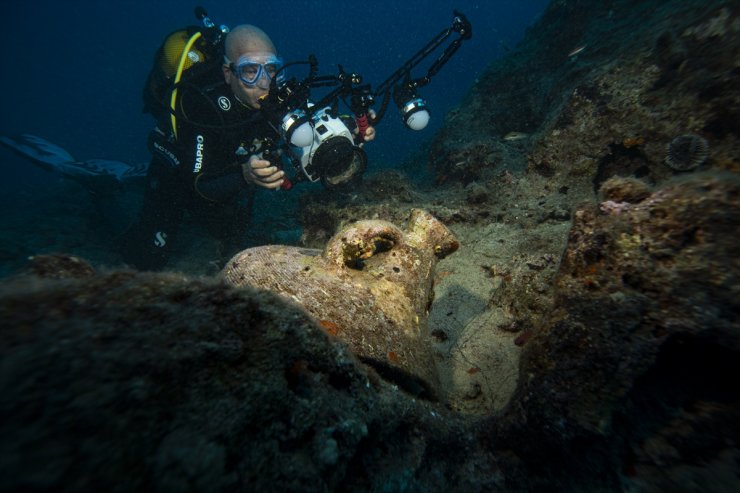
{"x":686,"y":152}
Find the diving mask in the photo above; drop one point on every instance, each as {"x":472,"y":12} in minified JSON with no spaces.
{"x":253,"y":68}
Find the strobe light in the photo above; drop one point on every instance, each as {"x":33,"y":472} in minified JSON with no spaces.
{"x":297,"y":128}
{"x":415,"y":114}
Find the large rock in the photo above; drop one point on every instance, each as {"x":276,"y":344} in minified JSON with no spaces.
{"x":631,"y":376}
{"x":598,"y":89}
{"x":158,"y":382}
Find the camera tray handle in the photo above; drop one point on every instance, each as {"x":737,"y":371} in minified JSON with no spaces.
{"x":270,"y":153}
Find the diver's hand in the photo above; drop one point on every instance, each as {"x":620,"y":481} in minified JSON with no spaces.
{"x":369,"y":131}
{"x":369,"y":134}
{"x":262,"y":172}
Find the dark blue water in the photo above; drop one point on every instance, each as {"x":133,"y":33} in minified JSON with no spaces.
{"x":75,"y":70}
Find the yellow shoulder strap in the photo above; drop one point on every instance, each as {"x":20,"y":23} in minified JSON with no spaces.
{"x":178,"y":75}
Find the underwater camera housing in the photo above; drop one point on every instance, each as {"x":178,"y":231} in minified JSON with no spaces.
{"x":332,"y":157}
{"x":328,"y":152}
{"x":318,"y":142}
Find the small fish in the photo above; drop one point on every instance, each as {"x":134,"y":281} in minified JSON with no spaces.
{"x":515,"y":136}
{"x":576,"y":51}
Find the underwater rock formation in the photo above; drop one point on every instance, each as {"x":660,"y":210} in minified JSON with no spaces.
{"x":158,"y":382}
{"x":56,"y":266}
{"x":623,"y":314}
{"x":595,"y":91}
{"x":371,"y":287}
{"x":628,"y":380}
{"x":601,"y":89}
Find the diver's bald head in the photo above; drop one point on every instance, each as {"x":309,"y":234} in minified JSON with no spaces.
{"x":247,"y":38}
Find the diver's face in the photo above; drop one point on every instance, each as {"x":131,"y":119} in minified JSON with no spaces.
{"x":249,"y":77}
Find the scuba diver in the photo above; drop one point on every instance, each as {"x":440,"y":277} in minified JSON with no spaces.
{"x":228,"y":118}
{"x":206,"y":161}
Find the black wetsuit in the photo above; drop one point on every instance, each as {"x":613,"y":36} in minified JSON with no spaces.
{"x":198,"y":173}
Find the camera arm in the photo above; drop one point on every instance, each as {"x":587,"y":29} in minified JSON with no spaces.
{"x":460,"y":25}
{"x":362,"y":96}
